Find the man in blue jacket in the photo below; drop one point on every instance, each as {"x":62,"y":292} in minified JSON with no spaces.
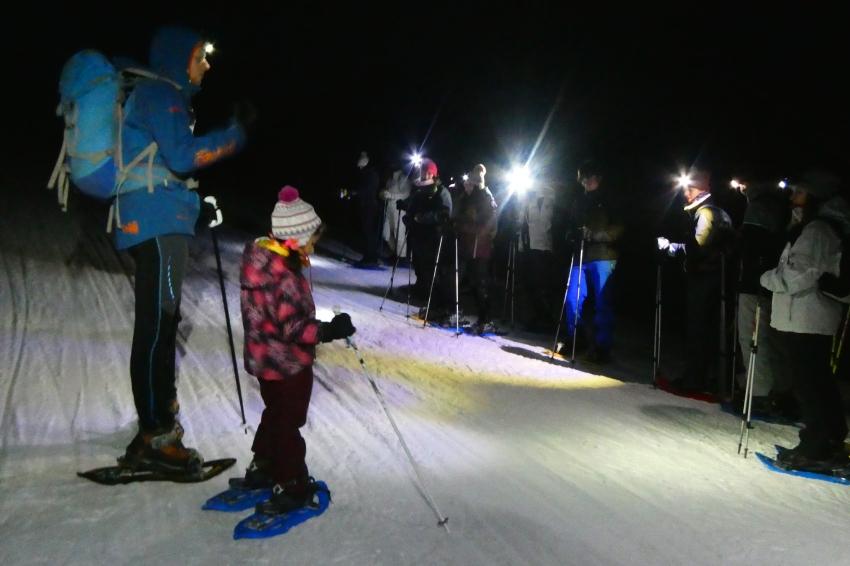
{"x":156,"y":213}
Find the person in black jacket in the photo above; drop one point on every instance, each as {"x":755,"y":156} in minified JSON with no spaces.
{"x":762,"y":241}
{"x":474,"y":226}
{"x":594,"y":218}
{"x":366,"y":189}
{"x":704,"y":250}
{"x":428,"y":207}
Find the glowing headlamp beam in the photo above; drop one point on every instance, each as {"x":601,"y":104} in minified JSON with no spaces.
{"x":466,"y":177}
{"x":416,"y":159}
{"x":783,"y":184}
{"x":684,"y":181}
{"x":519,"y":180}
{"x":209,"y":48}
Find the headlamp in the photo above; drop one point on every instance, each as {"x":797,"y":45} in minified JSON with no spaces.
{"x":684,"y":181}
{"x":208,"y":48}
{"x":465,"y":177}
{"x":783,"y":184}
{"x":519,"y":180}
{"x":735,"y":184}
{"x":416,"y":159}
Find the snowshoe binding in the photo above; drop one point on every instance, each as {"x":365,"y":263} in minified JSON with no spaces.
{"x":244,"y":493}
{"x":290,"y":504}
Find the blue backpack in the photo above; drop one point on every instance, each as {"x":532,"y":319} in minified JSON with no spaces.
{"x":93,"y":93}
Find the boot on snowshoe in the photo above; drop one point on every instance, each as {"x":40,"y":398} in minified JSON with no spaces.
{"x":807,"y":458}
{"x":162,"y":450}
{"x":434,"y":313}
{"x":290,"y":496}
{"x":481,"y":328}
{"x":597,"y":354}
{"x":256,"y":476}
{"x":452,"y":320}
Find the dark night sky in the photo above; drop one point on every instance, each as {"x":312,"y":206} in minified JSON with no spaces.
{"x":642,"y":89}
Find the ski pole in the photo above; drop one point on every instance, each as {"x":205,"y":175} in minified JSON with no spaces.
{"x":229,"y":329}
{"x":433,"y":279}
{"x":457,"y":293}
{"x":747,"y":413}
{"x":409,"y":251}
{"x":837,"y":353}
{"x":513,"y":285}
{"x":724,"y":354}
{"x":395,"y":266}
{"x":507,"y":278}
{"x":656,"y":354}
{"x":441,"y":519}
{"x":563,"y":308}
{"x":578,"y":297}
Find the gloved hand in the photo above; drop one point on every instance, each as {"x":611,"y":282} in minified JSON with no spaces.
{"x":211,"y":212}
{"x":663,"y":244}
{"x":245,"y":115}
{"x":406,"y":220}
{"x":832,"y":285}
{"x":401,"y":204}
{"x":339,"y":327}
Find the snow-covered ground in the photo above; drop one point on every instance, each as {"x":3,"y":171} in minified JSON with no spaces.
{"x":533,"y":462}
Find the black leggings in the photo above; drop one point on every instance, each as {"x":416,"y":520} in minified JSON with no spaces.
{"x":160,"y":270}
{"x":817,"y":390}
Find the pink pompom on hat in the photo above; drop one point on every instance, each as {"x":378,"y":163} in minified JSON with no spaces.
{"x":294,"y":219}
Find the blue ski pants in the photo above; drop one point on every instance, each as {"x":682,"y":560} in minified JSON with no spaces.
{"x":593,"y":278}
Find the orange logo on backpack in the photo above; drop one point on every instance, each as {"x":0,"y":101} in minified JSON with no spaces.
{"x":131,"y":228}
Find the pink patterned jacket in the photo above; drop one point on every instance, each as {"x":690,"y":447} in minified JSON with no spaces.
{"x":278,"y":314}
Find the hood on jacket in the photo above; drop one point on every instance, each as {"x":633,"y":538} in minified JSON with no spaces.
{"x":171,"y":52}
{"x":836,"y":208}
{"x":261,"y":267}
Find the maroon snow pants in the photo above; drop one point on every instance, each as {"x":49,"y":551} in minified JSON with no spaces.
{"x":278,"y":440}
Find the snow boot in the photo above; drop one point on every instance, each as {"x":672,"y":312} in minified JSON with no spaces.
{"x":290,"y":496}
{"x":451,"y":320}
{"x":434,"y":313}
{"x":597,"y":354}
{"x":161,"y":450}
{"x":807,"y":458}
{"x":484,"y":328}
{"x":257,"y":475}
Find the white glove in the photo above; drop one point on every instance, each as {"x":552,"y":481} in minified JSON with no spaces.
{"x":218,"y":217}
{"x":663,"y":244}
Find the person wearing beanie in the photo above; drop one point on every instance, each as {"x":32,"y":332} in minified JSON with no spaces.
{"x":704,"y":251}
{"x":807,"y":319}
{"x":427,"y":209}
{"x":281,"y":333}
{"x":762,"y":238}
{"x":155,"y":214}
{"x":595,"y":218}
{"x":475,"y":228}
{"x":366,"y":189}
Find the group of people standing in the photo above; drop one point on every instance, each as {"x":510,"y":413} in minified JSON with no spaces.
{"x":787,"y":254}
{"x":432,"y":225}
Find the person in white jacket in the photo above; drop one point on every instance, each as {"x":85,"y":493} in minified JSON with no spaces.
{"x":398,"y":188}
{"x":807,"y":319}
{"x":536,"y":256}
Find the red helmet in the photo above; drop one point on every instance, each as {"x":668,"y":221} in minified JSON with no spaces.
{"x":429,"y":167}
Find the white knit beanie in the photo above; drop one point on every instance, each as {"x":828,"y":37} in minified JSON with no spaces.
{"x":293,"y":218}
{"x":364,"y":159}
{"x":477,"y":175}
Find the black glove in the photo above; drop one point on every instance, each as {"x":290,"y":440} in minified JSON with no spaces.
{"x":245,"y":115}
{"x":339,"y":327}
{"x":407,"y":220}
{"x":401,"y":204}
{"x":832,"y":285}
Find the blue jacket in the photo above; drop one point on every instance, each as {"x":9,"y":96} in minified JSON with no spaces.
{"x":159,"y":111}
